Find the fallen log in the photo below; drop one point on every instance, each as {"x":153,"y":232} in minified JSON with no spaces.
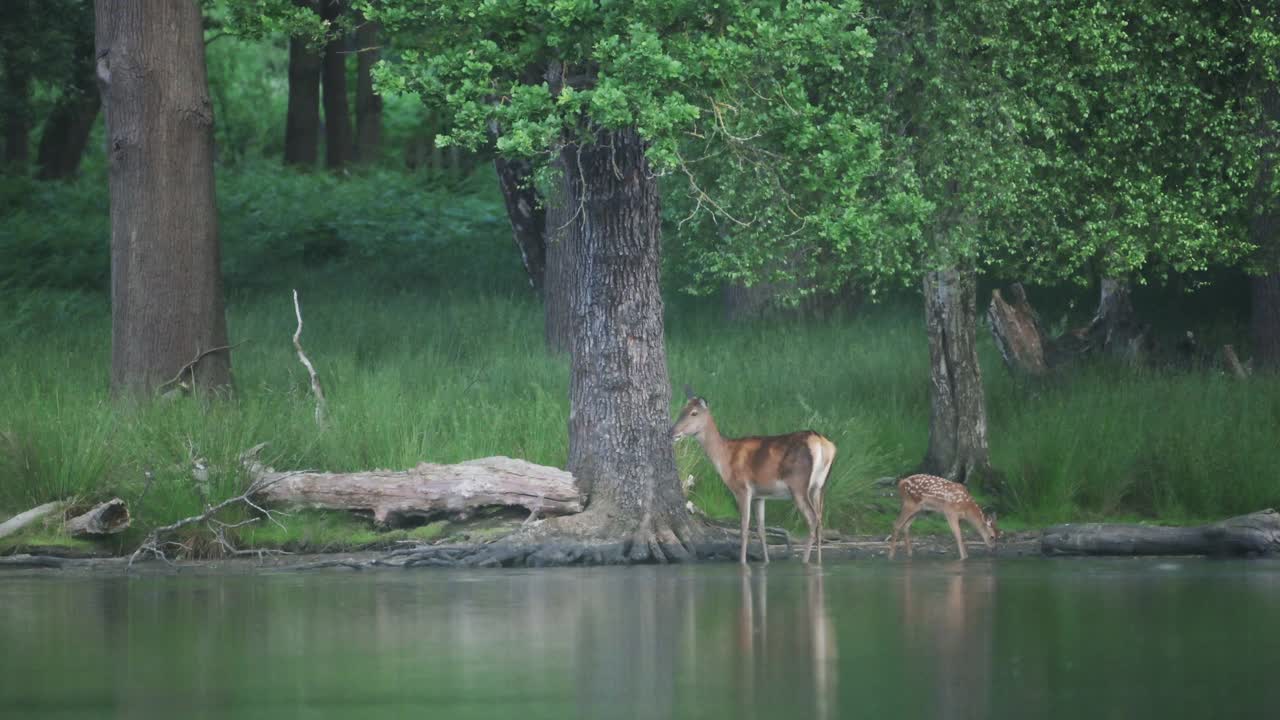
{"x":21,"y":520}
{"x":105,"y":518}
{"x":1253,"y":534}
{"x":428,"y":490}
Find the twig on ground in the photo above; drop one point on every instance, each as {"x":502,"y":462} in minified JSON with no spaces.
{"x":190,"y":366}
{"x":154,"y":547}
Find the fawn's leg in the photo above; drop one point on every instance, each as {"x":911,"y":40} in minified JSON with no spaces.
{"x":954,"y":522}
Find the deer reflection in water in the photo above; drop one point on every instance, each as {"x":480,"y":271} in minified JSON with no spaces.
{"x":769,"y":647}
{"x":951,"y":625}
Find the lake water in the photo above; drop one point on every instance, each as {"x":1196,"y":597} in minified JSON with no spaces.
{"x":1006,"y":638}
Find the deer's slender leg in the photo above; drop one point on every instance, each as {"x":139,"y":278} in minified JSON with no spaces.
{"x":903,"y":518}
{"x":764,"y":543}
{"x":744,"y":509}
{"x":802,"y":502}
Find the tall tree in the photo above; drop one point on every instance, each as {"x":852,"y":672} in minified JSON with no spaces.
{"x":634,"y":81}
{"x":339,"y":146}
{"x":368,"y":101}
{"x":167,"y":318}
{"x":302,"y":115}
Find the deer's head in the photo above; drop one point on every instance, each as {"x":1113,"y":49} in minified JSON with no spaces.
{"x":693,"y":417}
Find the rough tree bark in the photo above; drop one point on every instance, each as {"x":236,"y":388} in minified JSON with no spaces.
{"x":559,"y":277}
{"x":338,"y":141}
{"x":368,"y":102}
{"x":302,"y":118}
{"x":106,"y":518}
{"x":1017,"y":331}
{"x":528,"y":215}
{"x":166,"y":285}
{"x":66,"y":132}
{"x":1257,"y":533}
{"x":957,"y":409}
{"x":619,"y":394}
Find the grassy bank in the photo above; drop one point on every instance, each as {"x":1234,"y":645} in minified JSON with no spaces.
{"x":450,"y":376}
{"x":431,"y":349}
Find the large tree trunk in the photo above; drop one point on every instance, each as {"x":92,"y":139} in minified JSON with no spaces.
{"x":368,"y":102}
{"x":1254,"y":534}
{"x":528,"y":215}
{"x":1264,"y":229}
{"x":166,"y":286}
{"x":338,"y":141}
{"x":957,"y":411}
{"x":560,"y":273}
{"x":619,"y":395}
{"x":302,"y":118}
{"x":66,"y":131}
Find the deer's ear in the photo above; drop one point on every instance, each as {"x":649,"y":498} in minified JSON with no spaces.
{"x":688,"y":392}
{"x":703,"y":402}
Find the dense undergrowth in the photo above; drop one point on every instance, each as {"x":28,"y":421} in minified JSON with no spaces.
{"x":430,"y":347}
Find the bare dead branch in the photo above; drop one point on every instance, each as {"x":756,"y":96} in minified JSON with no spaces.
{"x":321,"y":405}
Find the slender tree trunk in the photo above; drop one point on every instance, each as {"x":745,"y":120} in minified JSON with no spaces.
{"x":302,"y":118}
{"x":560,"y":275}
{"x":338,"y":141}
{"x":528,"y":215}
{"x":957,"y":411}
{"x":619,"y":395}
{"x":368,"y":102}
{"x":166,"y":287}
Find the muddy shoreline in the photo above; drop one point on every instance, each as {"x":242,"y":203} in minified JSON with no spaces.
{"x":40,"y":561}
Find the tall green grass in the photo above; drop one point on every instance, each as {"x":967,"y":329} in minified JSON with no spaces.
{"x":446,"y":375}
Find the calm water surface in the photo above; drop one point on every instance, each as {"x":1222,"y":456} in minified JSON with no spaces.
{"x":1029,"y":638}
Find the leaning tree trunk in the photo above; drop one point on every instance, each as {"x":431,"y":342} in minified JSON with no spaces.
{"x":302,"y":118}
{"x":957,"y":413}
{"x":338,"y":142}
{"x":66,"y":134}
{"x":166,"y":287}
{"x":368,"y":102}
{"x":619,"y":395}
{"x":528,"y":216}
{"x":66,"y":131}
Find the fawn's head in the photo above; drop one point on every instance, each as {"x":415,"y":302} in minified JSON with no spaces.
{"x":992,"y":532}
{"x":693,"y":417}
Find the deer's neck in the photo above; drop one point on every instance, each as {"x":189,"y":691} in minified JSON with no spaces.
{"x":716,"y":446}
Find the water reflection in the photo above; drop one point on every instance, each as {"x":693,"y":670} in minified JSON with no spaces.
{"x":799,"y":644}
{"x":902,"y":640}
{"x":946,"y":621}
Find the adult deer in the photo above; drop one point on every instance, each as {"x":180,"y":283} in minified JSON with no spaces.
{"x":930,"y":492}
{"x":774,"y":467}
